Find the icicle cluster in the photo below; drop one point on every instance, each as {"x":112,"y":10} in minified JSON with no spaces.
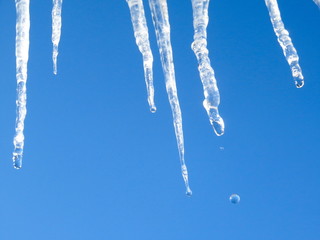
{"x":141,"y":34}
{"x":317,"y":2}
{"x":22,"y":55}
{"x":56,"y":31}
{"x":285,"y":42}
{"x":209,"y":82}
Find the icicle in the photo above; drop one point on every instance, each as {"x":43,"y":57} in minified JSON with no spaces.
{"x":285,"y":42}
{"x":317,"y":2}
{"x":56,"y":31}
{"x":209,"y":82}
{"x":159,"y":11}
{"x":22,"y":51}
{"x":140,"y":29}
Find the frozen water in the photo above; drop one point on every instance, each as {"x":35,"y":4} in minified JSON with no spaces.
{"x":285,"y":42}
{"x":141,"y":34}
{"x":56,"y":31}
{"x":22,"y":55}
{"x":209,"y":82}
{"x":160,"y":17}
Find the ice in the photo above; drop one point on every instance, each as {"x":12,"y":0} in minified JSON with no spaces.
{"x":56,"y":31}
{"x":160,"y":17}
{"x":140,"y":29}
{"x":285,"y":42}
{"x":22,"y":55}
{"x":209,"y":82}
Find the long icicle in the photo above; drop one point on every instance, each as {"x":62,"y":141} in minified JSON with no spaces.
{"x":285,"y":42}
{"x":209,"y":82}
{"x":140,"y":29}
{"x":317,"y":2}
{"x":56,"y":31}
{"x":160,"y":17}
{"x":22,"y":52}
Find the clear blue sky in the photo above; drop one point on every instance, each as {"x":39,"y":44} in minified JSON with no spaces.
{"x":99,"y":165}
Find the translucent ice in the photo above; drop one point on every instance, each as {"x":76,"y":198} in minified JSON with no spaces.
{"x":22,"y":55}
{"x":160,"y":17}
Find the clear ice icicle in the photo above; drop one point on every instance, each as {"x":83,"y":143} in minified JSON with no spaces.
{"x":285,"y":42}
{"x":22,"y":52}
{"x":209,"y":82}
{"x":56,"y":31}
{"x":160,"y":17}
{"x":140,"y":29}
{"x":317,"y":2}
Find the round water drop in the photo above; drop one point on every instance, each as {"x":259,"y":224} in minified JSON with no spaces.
{"x":153,"y":109}
{"x":234,"y":198}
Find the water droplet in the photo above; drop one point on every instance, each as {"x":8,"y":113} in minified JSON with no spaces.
{"x":153,"y":109}
{"x":234,"y":198}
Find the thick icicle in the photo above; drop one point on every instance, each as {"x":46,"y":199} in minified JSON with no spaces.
{"x":159,"y":11}
{"x":317,"y":2}
{"x":56,"y":31}
{"x":209,"y":82}
{"x":140,"y":29}
{"x":285,"y":42}
{"x":22,"y":51}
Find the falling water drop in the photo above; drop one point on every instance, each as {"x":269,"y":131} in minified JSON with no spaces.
{"x":234,"y":198}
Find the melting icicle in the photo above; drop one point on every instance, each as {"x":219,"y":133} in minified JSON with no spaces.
{"x":22,"y":51}
{"x":56,"y":31}
{"x":209,"y":82}
{"x":159,"y":11}
{"x":317,"y":2}
{"x":140,"y":29}
{"x":285,"y":42}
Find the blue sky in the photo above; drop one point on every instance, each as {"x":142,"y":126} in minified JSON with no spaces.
{"x":98,"y":165}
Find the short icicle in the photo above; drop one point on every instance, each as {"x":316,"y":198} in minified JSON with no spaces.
{"x":56,"y":31}
{"x":317,"y":2}
{"x":285,"y":42}
{"x":159,"y":11}
{"x":141,"y":34}
{"x":209,"y":82}
{"x":22,"y":52}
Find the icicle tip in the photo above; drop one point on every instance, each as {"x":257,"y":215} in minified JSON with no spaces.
{"x":299,"y":82}
{"x":189,"y":192}
{"x":17,"y":161}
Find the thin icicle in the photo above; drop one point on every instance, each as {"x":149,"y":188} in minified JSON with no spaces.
{"x":285,"y":42}
{"x":317,"y":2}
{"x":22,"y":51}
{"x":159,"y":11}
{"x":56,"y":31}
{"x":209,"y":82}
{"x":140,"y":29}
